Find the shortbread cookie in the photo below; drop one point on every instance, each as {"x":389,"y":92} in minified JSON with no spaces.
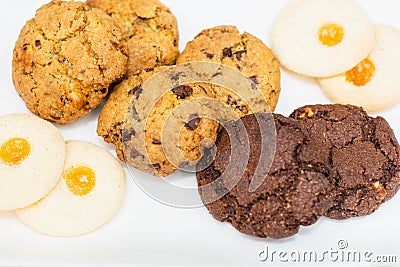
{"x":32,"y":155}
{"x":89,"y":194}
{"x":65,"y":59}
{"x":374,"y":83}
{"x":321,"y":38}
{"x":150,"y":28}
{"x":290,"y":195}
{"x":361,"y":154}
{"x":244,"y":52}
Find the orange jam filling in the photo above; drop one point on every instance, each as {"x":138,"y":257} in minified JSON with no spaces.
{"x":15,"y":150}
{"x":361,"y":74}
{"x":80,"y":181}
{"x":331,"y":34}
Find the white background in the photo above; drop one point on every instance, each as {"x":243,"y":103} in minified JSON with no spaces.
{"x":147,"y":232}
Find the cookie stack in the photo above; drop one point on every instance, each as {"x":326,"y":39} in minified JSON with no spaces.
{"x":330,"y":160}
{"x":354,"y":59}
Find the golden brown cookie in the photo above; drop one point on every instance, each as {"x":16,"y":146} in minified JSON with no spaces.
{"x":111,"y":119}
{"x":161,"y":120}
{"x":244,"y":52}
{"x":66,"y":58}
{"x":191,"y":131}
{"x":150,"y":28}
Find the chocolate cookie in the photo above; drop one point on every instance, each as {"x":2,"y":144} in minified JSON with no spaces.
{"x":360,"y":153}
{"x":65,"y":59}
{"x":291,"y":194}
{"x":150,"y":28}
{"x":244,"y":52}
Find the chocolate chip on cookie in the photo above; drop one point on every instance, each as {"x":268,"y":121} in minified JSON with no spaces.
{"x":290,"y":195}
{"x":360,"y":153}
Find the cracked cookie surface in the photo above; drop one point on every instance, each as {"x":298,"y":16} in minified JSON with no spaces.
{"x":66,"y":58}
{"x":360,"y":153}
{"x":290,"y":195}
{"x":150,"y":29}
{"x":244,"y":52}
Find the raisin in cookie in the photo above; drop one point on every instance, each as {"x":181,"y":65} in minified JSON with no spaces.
{"x":290,"y":195}
{"x":65,"y":59}
{"x":244,"y":52}
{"x":150,"y":28}
{"x":360,"y":153}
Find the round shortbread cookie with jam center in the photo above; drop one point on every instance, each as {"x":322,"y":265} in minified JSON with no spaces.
{"x":32,"y":155}
{"x":89,"y":194}
{"x":321,"y":38}
{"x":373,"y":84}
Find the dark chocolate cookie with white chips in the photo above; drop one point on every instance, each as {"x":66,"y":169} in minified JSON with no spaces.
{"x":291,"y":194}
{"x":360,"y":153}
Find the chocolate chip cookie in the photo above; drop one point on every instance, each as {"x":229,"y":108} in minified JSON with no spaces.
{"x":150,"y":28}
{"x":244,"y":52}
{"x":190,"y":131}
{"x":65,"y":59}
{"x":360,"y":153}
{"x":112,"y":116}
{"x":161,"y":120}
{"x":290,"y":194}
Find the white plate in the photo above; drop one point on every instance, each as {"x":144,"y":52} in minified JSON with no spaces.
{"x":148,"y":232}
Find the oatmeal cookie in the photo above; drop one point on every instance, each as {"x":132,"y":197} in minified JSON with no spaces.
{"x":150,"y":28}
{"x":66,"y":58}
